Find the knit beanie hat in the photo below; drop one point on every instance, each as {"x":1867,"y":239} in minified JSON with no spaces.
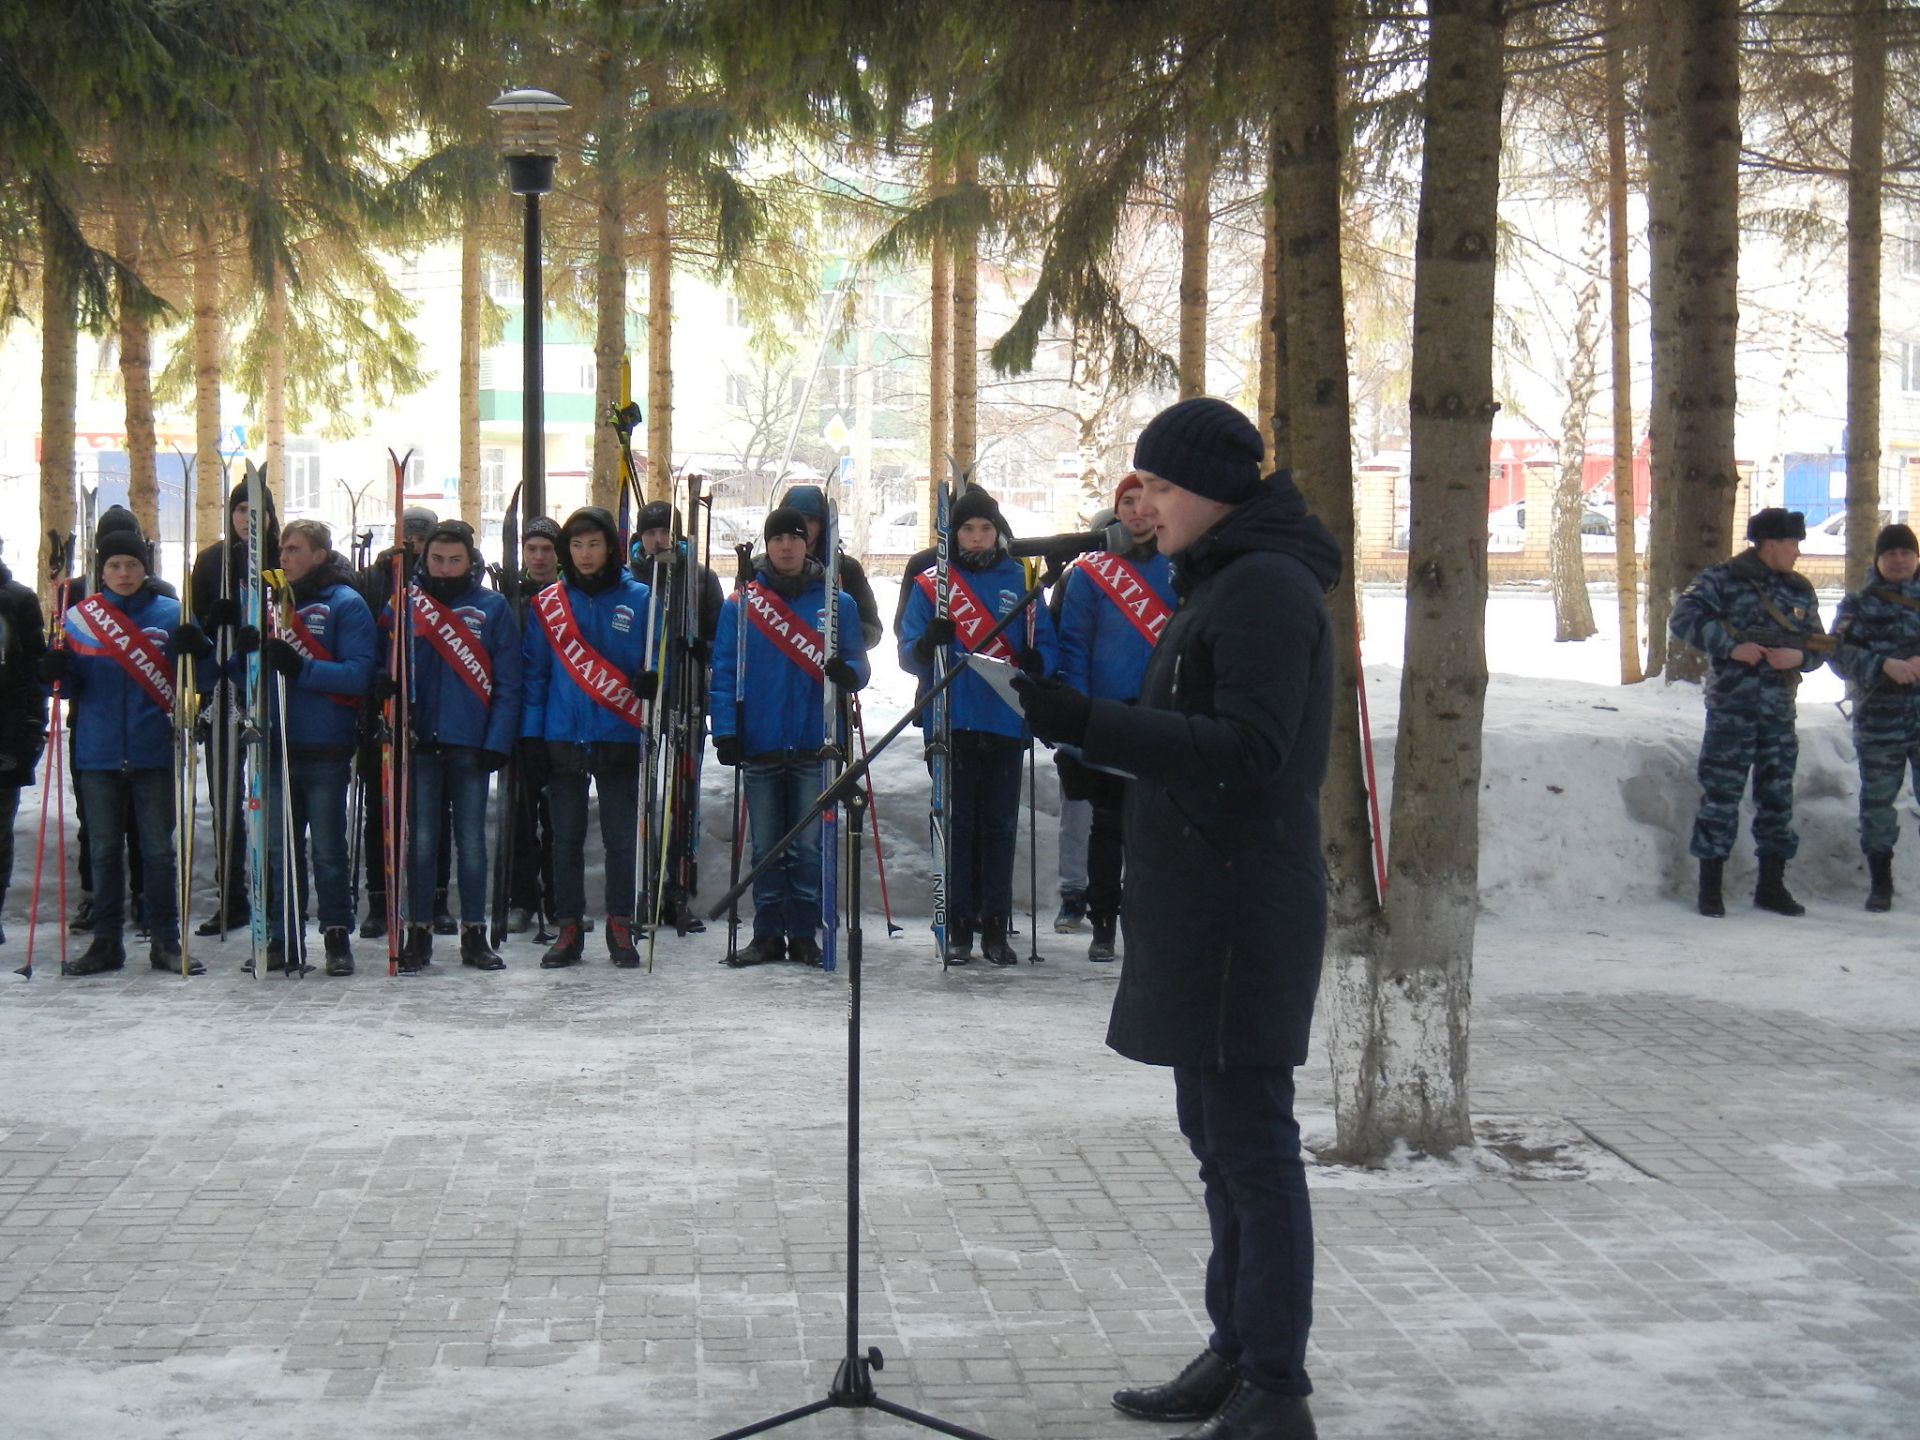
{"x":1773,"y":523}
{"x":976,"y":504}
{"x":655,"y":515}
{"x":417,"y":520}
{"x":116,"y":518}
{"x":784,"y":520}
{"x":1894,"y":537}
{"x":543,"y":527}
{"x":1203,"y":445}
{"x":122,"y":542}
{"x":809,"y":500}
{"x":1129,"y":481}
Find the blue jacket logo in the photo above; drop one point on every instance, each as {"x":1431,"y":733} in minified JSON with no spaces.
{"x":472,"y":619}
{"x":1008,"y":599}
{"x":315,"y":619}
{"x":622,"y":618}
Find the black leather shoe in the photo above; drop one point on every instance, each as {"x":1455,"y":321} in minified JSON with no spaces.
{"x":1255,"y":1414}
{"x":1194,"y":1394}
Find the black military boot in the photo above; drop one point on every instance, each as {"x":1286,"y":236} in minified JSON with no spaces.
{"x":567,"y":948}
{"x":1194,"y":1394}
{"x":1772,"y":893}
{"x":104,"y":954}
{"x":1712,"y":902}
{"x":1255,"y":1414}
{"x":1104,"y":928}
{"x":993,"y":941}
{"x":476,"y":952}
{"x":762,"y":950}
{"x":803,"y":950}
{"x":1880,"y":888}
{"x":338,"y":951}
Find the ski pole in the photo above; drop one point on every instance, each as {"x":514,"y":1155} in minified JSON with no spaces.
{"x":1366,"y":754}
{"x":873,"y":810}
{"x":1034,"y":957}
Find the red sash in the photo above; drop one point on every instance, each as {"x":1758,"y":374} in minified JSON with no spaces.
{"x":451,"y":641}
{"x":1128,"y":589}
{"x":302,"y":639}
{"x":109,"y":632}
{"x":791,"y":635}
{"x":971,"y":619}
{"x":585,"y":666}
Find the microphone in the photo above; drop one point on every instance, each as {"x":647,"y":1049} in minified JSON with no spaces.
{"x":1058,"y":547}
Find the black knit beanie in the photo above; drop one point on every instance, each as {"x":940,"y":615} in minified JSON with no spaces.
{"x":976,"y":504}
{"x":1773,"y":523}
{"x":543,"y":526}
{"x":1203,"y":445}
{"x":655,"y":515}
{"x":122,"y":542}
{"x":1894,"y":537}
{"x":784,"y":520}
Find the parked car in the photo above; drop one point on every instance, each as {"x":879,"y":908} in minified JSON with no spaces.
{"x":1829,"y":537}
{"x":1507,"y":528}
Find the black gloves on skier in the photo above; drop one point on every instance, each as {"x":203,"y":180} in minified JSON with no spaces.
{"x":726,"y":749}
{"x":246,"y":640}
{"x":935,"y":638}
{"x":1030,"y":661}
{"x":1057,"y":712}
{"x":646,"y":684}
{"x":55,"y":666}
{"x":382,"y":689}
{"x":224,"y":611}
{"x":283,"y":657}
{"x":190,"y":639}
{"x":843,"y":674}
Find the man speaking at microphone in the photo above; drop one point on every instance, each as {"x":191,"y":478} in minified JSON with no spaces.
{"x":1224,"y":906}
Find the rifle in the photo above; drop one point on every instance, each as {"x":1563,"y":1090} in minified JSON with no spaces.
{"x":1775,"y":637}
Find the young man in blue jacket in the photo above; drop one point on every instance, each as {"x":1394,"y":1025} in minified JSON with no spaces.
{"x":466,"y":717}
{"x":118,"y":668}
{"x":1114,"y":608}
{"x":777,"y":725}
{"x":989,"y":735}
{"x":326,"y":651}
{"x":588,"y":686}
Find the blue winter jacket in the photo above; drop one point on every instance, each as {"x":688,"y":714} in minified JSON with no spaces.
{"x":1102,"y":652}
{"x":1734,"y":597}
{"x":325,"y":699}
{"x":784,"y":705}
{"x":444,"y":708}
{"x":613,"y":621}
{"x":116,"y":725}
{"x":974,"y":703}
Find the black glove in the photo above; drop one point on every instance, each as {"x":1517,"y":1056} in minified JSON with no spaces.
{"x":283,"y":657}
{"x":223,"y":612}
{"x":246,"y":640}
{"x":1057,"y":712}
{"x":843,"y":674}
{"x":935,"y":638}
{"x":190,"y":639}
{"x":726,"y":749}
{"x":492,"y":762}
{"x":1030,"y":661}
{"x":383,"y":688}
{"x":55,"y":666}
{"x":646,"y":684}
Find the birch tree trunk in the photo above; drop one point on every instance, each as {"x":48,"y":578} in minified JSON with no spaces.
{"x":1700,"y":391}
{"x":1566,"y":562}
{"x":966,"y":330}
{"x":1865,"y":173}
{"x":136,"y":378}
{"x":1413,"y":1085}
{"x":209,"y":353}
{"x":1620,"y":293}
{"x":659,"y":341}
{"x":1196,"y":225}
{"x":59,"y":392}
{"x":471,"y":270}
{"x":610,"y":286}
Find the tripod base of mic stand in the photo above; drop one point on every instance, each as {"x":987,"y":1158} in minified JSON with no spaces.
{"x":852,"y":1389}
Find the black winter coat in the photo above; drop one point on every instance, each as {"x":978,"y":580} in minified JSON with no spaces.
{"x":1226,"y":893}
{"x":23,"y":700}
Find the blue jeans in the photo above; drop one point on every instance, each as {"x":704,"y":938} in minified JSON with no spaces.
{"x":986,"y":823}
{"x":1240,"y":1126}
{"x":109,"y":798}
{"x":318,"y":786}
{"x":448,"y":775}
{"x":617,"y":780}
{"x":786,"y":897}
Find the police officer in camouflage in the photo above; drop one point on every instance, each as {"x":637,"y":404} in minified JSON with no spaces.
{"x":1759,"y":624}
{"x":1879,"y":654}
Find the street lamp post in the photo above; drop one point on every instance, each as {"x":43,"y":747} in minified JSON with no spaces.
{"x":530,"y":143}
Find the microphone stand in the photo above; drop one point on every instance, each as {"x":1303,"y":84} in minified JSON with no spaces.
{"x":852,"y":1386}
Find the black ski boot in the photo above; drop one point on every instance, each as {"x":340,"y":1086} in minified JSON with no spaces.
{"x":567,"y":947}
{"x":416,"y":953}
{"x":165,"y":955}
{"x":764,"y":950}
{"x":82,"y":916}
{"x":443,"y":921}
{"x":620,"y":947}
{"x":476,"y":952}
{"x":104,"y":954}
{"x":959,"y":942}
{"x":1772,"y":893}
{"x":339,"y":952}
{"x":217,"y":924}
{"x":1194,"y":1394}
{"x":803,"y":950}
{"x":993,"y":941}
{"x":1712,"y":903}
{"x":1101,"y":950}
{"x":1251,"y":1413}
{"x":1073,"y":909}
{"x":1880,"y":890}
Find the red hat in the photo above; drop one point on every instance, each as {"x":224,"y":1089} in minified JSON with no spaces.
{"x":1129,"y":481}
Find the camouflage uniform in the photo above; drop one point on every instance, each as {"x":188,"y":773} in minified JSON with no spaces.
{"x":1749,"y":707}
{"x":1880,"y":621}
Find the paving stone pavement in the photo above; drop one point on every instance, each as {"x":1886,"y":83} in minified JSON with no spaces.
{"x":611,"y":1203}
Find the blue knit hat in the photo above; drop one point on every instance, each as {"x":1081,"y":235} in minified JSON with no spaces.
{"x":1203,"y":445}
{"x":809,"y":500}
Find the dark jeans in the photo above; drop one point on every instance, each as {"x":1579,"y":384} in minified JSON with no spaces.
{"x":9,"y":811}
{"x":84,"y":839}
{"x":616,"y":779}
{"x":1240,"y":1125}
{"x":1106,"y":849}
{"x":318,"y":786}
{"x":110,"y":798}
{"x":449,"y":780}
{"x":786,"y":897}
{"x":986,"y":821}
{"x":373,"y":832}
{"x":530,"y":887}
